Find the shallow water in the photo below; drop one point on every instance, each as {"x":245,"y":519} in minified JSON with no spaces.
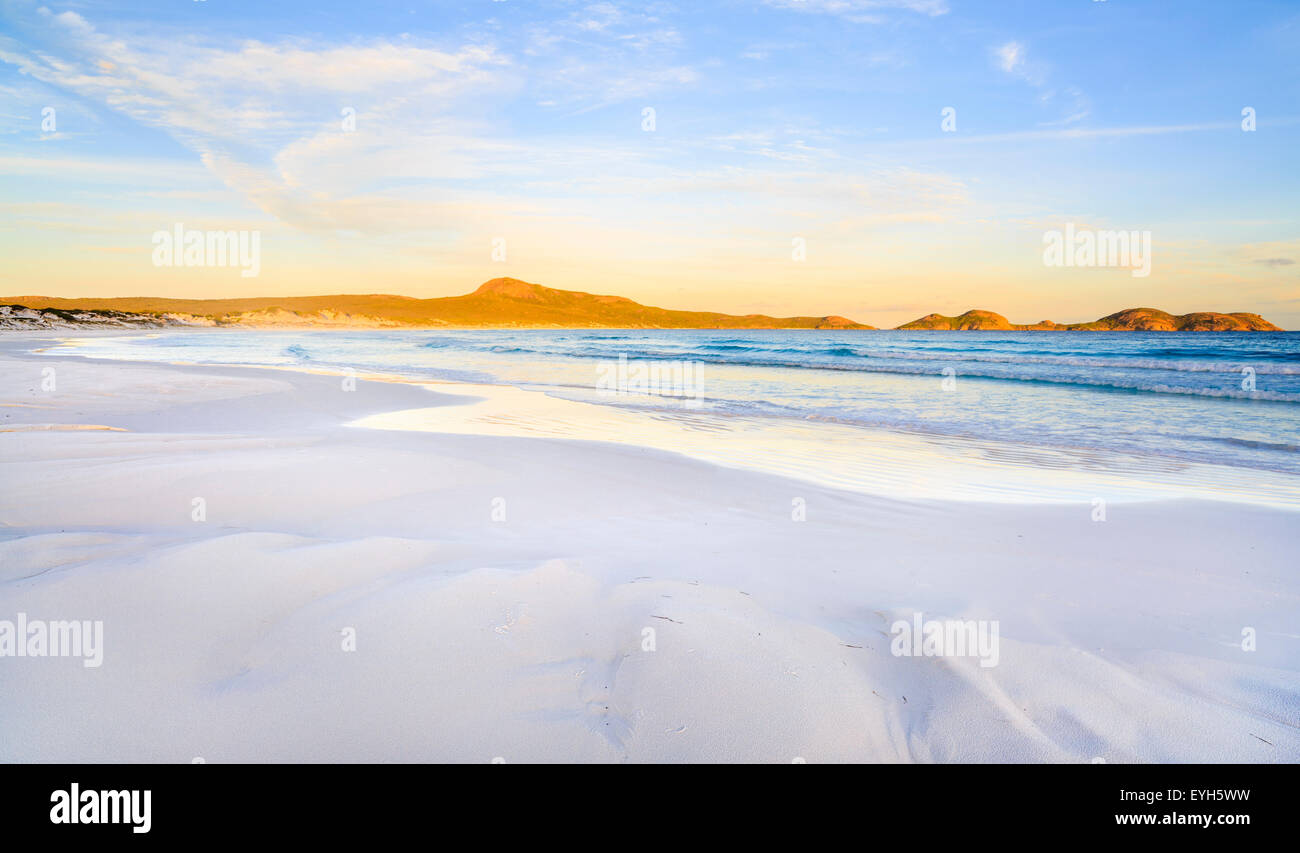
{"x":1191,"y":413}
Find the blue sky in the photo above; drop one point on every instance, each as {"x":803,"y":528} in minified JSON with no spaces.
{"x":815,"y":119}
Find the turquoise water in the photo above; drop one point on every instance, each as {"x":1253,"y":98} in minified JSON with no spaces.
{"x":1163,"y":396}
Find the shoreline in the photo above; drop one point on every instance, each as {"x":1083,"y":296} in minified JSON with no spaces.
{"x":500,"y":587}
{"x":938,"y":465}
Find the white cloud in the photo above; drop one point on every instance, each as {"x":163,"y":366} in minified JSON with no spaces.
{"x":189,"y":86}
{"x":1073,"y":105}
{"x":1011,"y":56}
{"x":264,"y":118}
{"x":862,"y":11}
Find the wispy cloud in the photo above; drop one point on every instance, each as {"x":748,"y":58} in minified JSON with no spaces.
{"x":1095,"y":132}
{"x":255,"y":113}
{"x":264,"y":118}
{"x":862,"y":11}
{"x":1011,"y":56}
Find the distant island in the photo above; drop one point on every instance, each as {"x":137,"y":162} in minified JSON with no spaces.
{"x":515,"y":304}
{"x":1128,"y":320}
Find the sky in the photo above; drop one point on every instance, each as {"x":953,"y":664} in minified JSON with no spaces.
{"x":877,"y":159}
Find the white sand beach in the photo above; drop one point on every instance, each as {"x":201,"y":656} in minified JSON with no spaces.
{"x":502,"y":593}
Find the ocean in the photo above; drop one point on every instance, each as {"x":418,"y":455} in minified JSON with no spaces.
{"x":1169,"y":414}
